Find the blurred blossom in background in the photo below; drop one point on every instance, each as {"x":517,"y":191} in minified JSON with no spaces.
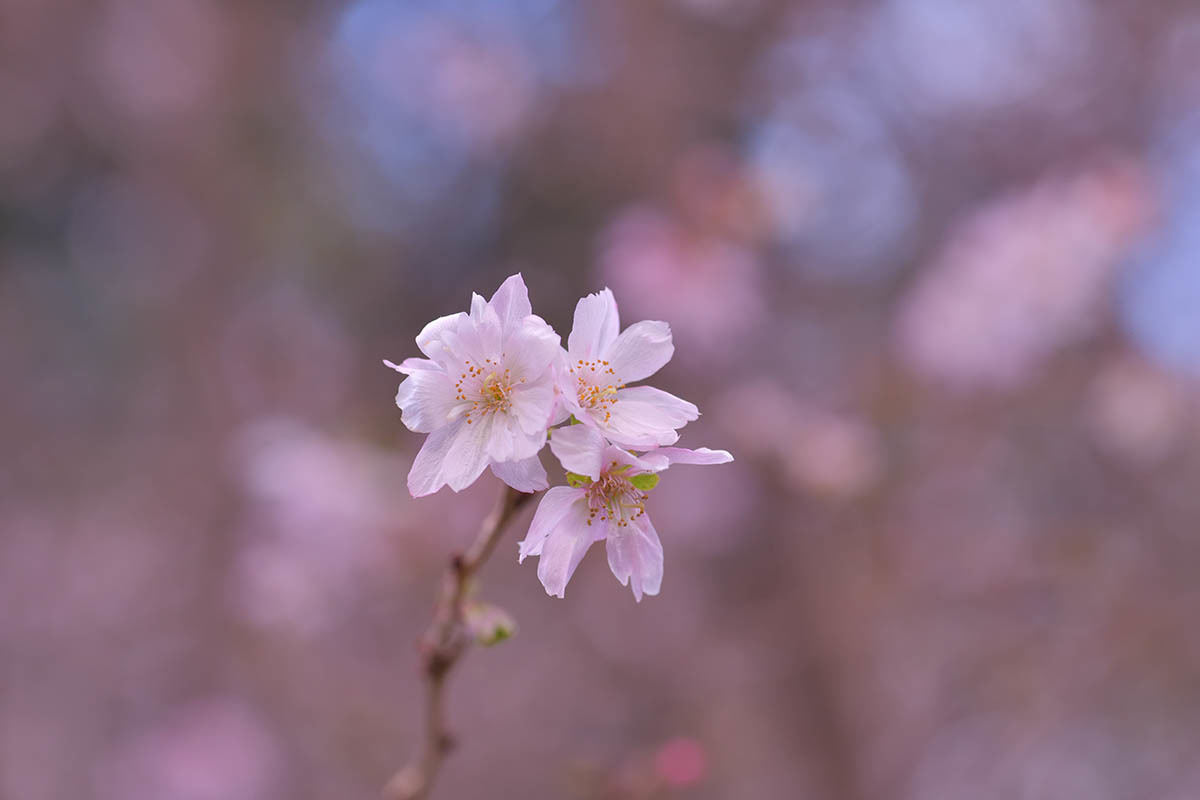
{"x":933,"y":272}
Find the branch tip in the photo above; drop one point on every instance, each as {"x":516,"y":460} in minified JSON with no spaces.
{"x":442,"y":646}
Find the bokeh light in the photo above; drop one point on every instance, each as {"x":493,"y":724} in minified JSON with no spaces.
{"x":932,"y":269}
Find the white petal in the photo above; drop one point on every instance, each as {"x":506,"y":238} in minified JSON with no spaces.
{"x":432,"y":338}
{"x":410,"y":365}
{"x":426,"y":399}
{"x":454,"y":455}
{"x":428,"y":470}
{"x":468,"y":454}
{"x":553,"y":506}
{"x":635,"y":556}
{"x":533,"y":404}
{"x":579,"y":448}
{"x":500,"y":446}
{"x":477,"y":339}
{"x":468,"y":340}
{"x":478,"y":304}
{"x":561,"y":411}
{"x":595,"y":327}
{"x":563,"y":549}
{"x":644,"y":417}
{"x":511,"y":302}
{"x":524,"y":444}
{"x":507,"y":442}
{"x":568,"y":389}
{"x":425,"y":477}
{"x":530,"y":348}
{"x":526,"y":475}
{"x":701,"y":455}
{"x":640,"y":351}
{"x":636,"y":464}
{"x":434,"y":330}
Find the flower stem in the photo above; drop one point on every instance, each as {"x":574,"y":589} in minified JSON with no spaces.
{"x":443,"y":645}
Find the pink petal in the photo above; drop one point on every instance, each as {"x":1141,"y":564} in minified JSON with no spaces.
{"x":640,"y":351}
{"x":468,"y":454}
{"x":595,"y":327}
{"x":564,"y":548}
{"x":468,"y":340}
{"x":410,"y":365}
{"x":533,"y":404}
{"x":432,"y":338}
{"x":511,"y":302}
{"x":478,"y":304}
{"x":636,"y":464}
{"x":568,"y":390}
{"x":550,"y":511}
{"x":526,"y":475}
{"x":635,"y":556}
{"x":453,"y":455}
{"x":426,"y":399}
{"x":501,"y":441}
{"x":579,"y":448}
{"x":561,"y":411}
{"x":478,"y":337}
{"x":507,"y":442}
{"x":530,"y":348}
{"x":426,"y":477}
{"x":701,"y":455}
{"x":645,"y":417}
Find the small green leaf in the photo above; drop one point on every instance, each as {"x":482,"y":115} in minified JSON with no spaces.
{"x":498,"y":635}
{"x":645,"y":481}
{"x":490,"y":624}
{"x":572,"y":421}
{"x":578,"y":481}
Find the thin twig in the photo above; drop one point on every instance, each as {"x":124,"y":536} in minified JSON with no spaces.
{"x":443,"y":645}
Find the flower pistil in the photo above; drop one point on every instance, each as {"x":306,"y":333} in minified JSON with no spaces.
{"x":592,"y":394}
{"x":492,"y":392}
{"x":614,"y":498}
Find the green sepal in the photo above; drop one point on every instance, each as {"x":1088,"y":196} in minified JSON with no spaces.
{"x":645,"y":481}
{"x":490,"y":624}
{"x":577,"y":481}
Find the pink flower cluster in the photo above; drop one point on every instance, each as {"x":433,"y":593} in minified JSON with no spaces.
{"x":496,"y":385}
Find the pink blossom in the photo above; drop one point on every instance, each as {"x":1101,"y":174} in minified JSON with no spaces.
{"x":1137,"y":412}
{"x":681,"y":762}
{"x":605,"y":501}
{"x":1026,"y":276}
{"x":484,"y":394}
{"x":708,"y":282}
{"x":600,"y":363}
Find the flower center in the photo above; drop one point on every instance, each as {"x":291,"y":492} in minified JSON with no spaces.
{"x":486,"y":387}
{"x":614,"y":499}
{"x":591,"y":388}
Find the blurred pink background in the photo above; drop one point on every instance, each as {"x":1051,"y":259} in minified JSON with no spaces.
{"x":933,"y":269}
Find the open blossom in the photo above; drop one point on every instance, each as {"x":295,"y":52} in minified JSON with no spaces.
{"x":599,"y":365}
{"x":605,"y":501}
{"x":484,"y":394}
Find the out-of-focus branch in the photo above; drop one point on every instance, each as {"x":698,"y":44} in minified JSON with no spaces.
{"x":443,"y":645}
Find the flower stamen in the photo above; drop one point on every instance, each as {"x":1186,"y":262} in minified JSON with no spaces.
{"x":483,"y":394}
{"x":614,"y":499}
{"x":596,"y":395}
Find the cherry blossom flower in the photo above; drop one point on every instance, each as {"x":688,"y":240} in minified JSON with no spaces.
{"x":598,"y":366}
{"x":484,"y":394}
{"x":606,"y":500}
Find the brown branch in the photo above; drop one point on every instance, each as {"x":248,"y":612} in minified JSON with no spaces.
{"x":442,"y":646}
